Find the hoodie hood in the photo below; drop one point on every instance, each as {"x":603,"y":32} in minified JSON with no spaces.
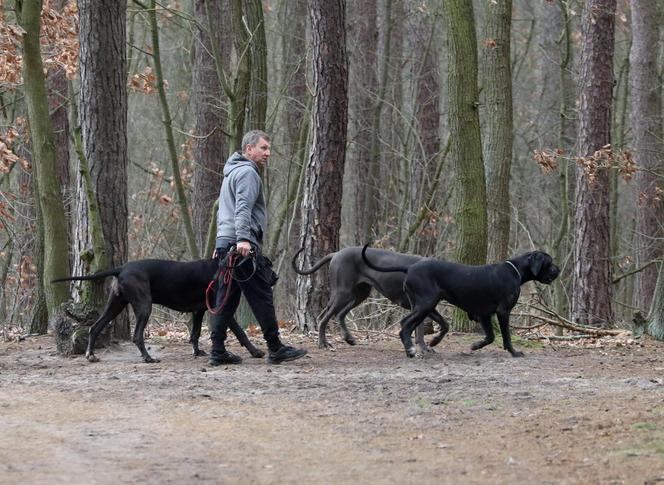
{"x":237,"y":160}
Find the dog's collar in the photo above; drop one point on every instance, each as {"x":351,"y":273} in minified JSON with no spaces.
{"x":514,"y":268}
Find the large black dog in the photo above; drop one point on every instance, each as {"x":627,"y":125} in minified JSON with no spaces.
{"x":351,"y":281}
{"x":481,"y":291}
{"x":180,"y":286}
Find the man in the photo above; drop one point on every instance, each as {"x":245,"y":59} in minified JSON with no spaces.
{"x":241,"y":224}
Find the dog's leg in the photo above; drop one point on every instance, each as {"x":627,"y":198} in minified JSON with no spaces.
{"x":489,"y":336}
{"x":408,"y":324}
{"x":336,"y":306}
{"x":322,"y":318}
{"x":241,"y":335}
{"x":359,"y":293}
{"x":504,"y":320}
{"x":348,"y":337}
{"x":114,"y":306}
{"x":419,"y":340}
{"x":196,"y":333}
{"x":142,"y":310}
{"x":444,"y":327}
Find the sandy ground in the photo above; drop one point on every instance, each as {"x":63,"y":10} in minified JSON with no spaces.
{"x":364,"y":414}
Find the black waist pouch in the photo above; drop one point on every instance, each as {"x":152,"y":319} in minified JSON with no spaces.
{"x":264,"y":270}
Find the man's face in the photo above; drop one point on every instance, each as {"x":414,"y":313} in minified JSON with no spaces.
{"x":259,"y":152}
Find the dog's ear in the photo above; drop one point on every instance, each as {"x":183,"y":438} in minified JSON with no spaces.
{"x":536,"y":261}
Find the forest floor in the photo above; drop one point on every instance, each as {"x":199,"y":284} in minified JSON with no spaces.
{"x":565,"y":413}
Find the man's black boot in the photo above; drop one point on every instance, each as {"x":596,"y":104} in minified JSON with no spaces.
{"x":223,"y":358}
{"x":285,"y":354}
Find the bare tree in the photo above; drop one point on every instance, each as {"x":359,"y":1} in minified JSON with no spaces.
{"x":363,"y":40}
{"x":496,"y":76}
{"x":591,"y":284}
{"x":466,"y":148}
{"x":646,"y":124}
{"x":46,"y":180}
{"x":321,"y":207}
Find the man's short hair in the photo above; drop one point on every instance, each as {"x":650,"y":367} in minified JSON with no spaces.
{"x":252,"y":137}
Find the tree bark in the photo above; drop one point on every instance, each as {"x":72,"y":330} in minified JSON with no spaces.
{"x":211,"y":145}
{"x":103,"y":116}
{"x":646,"y":124}
{"x":257,"y":109}
{"x":321,"y":207}
{"x":466,"y":149}
{"x":496,"y":75}
{"x":591,"y":285}
{"x":363,"y":82}
{"x":46,"y":180}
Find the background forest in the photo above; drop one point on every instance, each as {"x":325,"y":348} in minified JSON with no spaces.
{"x":470,"y":131}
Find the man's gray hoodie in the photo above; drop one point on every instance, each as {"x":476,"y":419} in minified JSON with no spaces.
{"x":242,"y":214}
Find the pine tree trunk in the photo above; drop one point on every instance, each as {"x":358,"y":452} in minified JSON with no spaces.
{"x":103,"y":117}
{"x":591,"y":285}
{"x":321,"y":207}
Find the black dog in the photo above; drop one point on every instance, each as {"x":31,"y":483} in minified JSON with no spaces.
{"x":480,"y":291}
{"x":180,"y":286}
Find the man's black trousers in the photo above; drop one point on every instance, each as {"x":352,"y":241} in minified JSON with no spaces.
{"x":257,"y":291}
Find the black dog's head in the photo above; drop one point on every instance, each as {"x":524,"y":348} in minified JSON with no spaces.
{"x":542,"y":268}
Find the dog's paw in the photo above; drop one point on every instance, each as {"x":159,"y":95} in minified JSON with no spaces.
{"x":91,"y":357}
{"x":516,"y":353}
{"x":150,"y":360}
{"x":257,"y":353}
{"x":351,"y":341}
{"x":199,"y":353}
{"x":411,"y":352}
{"x":325,"y":345}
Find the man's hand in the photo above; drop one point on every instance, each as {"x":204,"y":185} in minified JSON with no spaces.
{"x":243,"y":247}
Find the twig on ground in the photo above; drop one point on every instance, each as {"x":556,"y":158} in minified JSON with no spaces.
{"x":560,"y":321}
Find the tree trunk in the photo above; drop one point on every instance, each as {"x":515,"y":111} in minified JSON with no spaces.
{"x":591,"y":285}
{"x":422,"y":143}
{"x":242,"y":82}
{"x":466,"y":149}
{"x":56,"y":262}
{"x":56,"y":83}
{"x":363,"y":82}
{"x":211,"y":146}
{"x":103,"y":116}
{"x":321,"y":207}
{"x":646,"y":125}
{"x":497,"y":138}
{"x":656,"y":315}
{"x":372,"y":187}
{"x":257,"y":111}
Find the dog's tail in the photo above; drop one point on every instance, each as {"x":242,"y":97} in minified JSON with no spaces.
{"x":388,"y":269}
{"x":323,"y":261}
{"x":96,"y":276}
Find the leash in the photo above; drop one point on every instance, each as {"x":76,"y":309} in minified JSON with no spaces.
{"x":226,"y":276}
{"x":514,"y":268}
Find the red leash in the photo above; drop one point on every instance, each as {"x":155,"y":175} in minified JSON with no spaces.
{"x":226,"y":276}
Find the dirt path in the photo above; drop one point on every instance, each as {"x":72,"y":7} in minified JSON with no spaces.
{"x":363,"y":414}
